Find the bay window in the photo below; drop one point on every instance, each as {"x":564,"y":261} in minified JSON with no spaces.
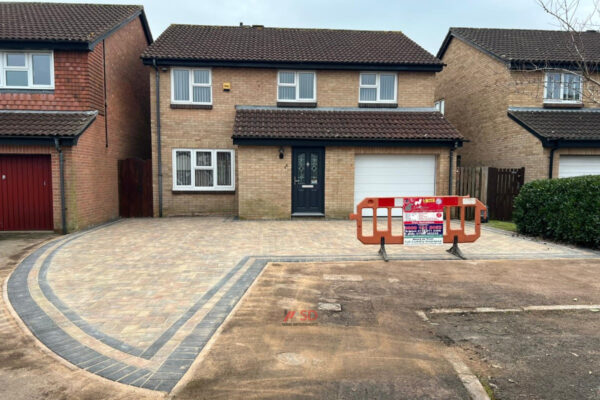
{"x":203,"y":170}
{"x":377,"y":87}
{"x":191,"y":86}
{"x":296,"y":86}
{"x":561,"y":87}
{"x":26,"y":70}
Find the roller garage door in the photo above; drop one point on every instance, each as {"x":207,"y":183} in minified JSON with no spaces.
{"x":578,"y":166}
{"x":25,"y":192}
{"x":393,"y":175}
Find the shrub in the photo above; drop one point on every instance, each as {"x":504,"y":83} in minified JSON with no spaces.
{"x":566,"y":209}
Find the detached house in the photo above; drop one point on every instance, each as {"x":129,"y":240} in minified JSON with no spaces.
{"x":73,"y":101}
{"x":520,"y":99}
{"x":274,"y":123}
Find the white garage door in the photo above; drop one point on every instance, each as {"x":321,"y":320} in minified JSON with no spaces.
{"x":393,"y":176}
{"x":578,"y":165}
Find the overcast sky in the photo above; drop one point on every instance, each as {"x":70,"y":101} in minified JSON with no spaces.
{"x":425,"y":21}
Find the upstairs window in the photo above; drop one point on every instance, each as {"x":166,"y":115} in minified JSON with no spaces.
{"x":26,"y":70}
{"x":296,"y":86}
{"x":203,"y":170}
{"x":560,"y":87}
{"x":377,"y":87}
{"x":191,"y":86}
{"x":440,"y":105}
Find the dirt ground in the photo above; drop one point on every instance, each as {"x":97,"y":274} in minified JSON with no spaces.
{"x":25,"y":371}
{"x":533,"y":355}
{"x":377,"y":347}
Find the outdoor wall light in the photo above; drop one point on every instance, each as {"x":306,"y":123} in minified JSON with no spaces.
{"x":281,"y":152}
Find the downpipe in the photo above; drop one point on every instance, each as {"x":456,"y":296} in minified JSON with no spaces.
{"x":158,"y":140}
{"x":61,"y":167}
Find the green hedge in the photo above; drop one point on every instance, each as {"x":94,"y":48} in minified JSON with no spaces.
{"x":566,"y":209}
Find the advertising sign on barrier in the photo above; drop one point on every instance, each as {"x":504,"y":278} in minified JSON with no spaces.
{"x":423,"y":219}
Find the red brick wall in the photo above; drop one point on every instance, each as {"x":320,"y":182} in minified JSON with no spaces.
{"x":91,"y":168}
{"x":127,"y":121}
{"x":95,"y":76}
{"x":70,"y":87}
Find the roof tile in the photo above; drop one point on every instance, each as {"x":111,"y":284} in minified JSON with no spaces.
{"x":61,"y":22}
{"x":44,"y":123}
{"x":533,"y":45}
{"x":267,"y":123}
{"x":258,"y":44}
{"x":561,"y":124}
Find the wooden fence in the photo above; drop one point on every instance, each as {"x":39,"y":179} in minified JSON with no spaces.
{"x":503,"y":186}
{"x":135,"y":188}
{"x":472,"y":181}
{"x":495,"y":187}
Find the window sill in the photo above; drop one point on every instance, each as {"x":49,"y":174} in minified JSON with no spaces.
{"x":192,"y":106}
{"x":192,"y":191}
{"x":27,"y":90}
{"x":300,"y":104}
{"x":563,"y":104}
{"x":378,"y":105}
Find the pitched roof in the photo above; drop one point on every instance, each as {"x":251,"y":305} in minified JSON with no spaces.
{"x":287,"y":45}
{"x":44,"y":123}
{"x":559,"y":125}
{"x":525,"y":45}
{"x":61,"y":22}
{"x":342,"y":124}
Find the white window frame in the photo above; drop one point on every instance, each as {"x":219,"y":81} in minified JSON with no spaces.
{"x":191,"y":86}
{"x":28,"y":67}
{"x":377,"y":86}
{"x":213,"y":167}
{"x":440,"y":105}
{"x":562,"y":88}
{"x":296,"y":84}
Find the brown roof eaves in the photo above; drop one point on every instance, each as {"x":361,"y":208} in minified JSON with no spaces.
{"x":44,"y":127}
{"x":528,"y":48}
{"x":560,"y":128}
{"x":266,"y":47}
{"x":256,"y":125}
{"x":78,"y":38}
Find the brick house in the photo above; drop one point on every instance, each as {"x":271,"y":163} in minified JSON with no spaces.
{"x":519,"y":99}
{"x":73,"y":101}
{"x":274,"y":122}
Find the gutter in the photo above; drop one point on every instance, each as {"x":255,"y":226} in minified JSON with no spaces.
{"x":63,"y":207}
{"x":158,"y":140}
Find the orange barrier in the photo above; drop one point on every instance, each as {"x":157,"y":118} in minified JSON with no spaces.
{"x":450,"y":235}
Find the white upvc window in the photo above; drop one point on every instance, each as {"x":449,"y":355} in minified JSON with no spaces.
{"x":26,"y":69}
{"x":297,"y":86}
{"x":563,"y":87}
{"x":440,"y":105}
{"x":191,"y":86}
{"x":377,"y":87}
{"x":203,"y":170}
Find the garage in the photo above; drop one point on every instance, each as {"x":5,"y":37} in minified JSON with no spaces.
{"x":25,"y":193}
{"x":391,"y":175}
{"x":578,"y":166}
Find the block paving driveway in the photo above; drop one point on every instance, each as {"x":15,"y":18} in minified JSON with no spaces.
{"x":136,"y":301}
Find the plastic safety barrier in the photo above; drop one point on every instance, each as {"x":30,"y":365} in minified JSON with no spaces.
{"x":446,"y":203}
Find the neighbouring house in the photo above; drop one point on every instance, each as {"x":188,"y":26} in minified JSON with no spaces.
{"x":278,"y":122}
{"x":519,"y":98}
{"x":74,"y":99}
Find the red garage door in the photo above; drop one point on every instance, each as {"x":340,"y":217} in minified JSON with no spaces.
{"x":25,"y":193}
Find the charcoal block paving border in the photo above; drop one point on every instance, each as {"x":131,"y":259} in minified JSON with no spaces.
{"x":43,"y":327}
